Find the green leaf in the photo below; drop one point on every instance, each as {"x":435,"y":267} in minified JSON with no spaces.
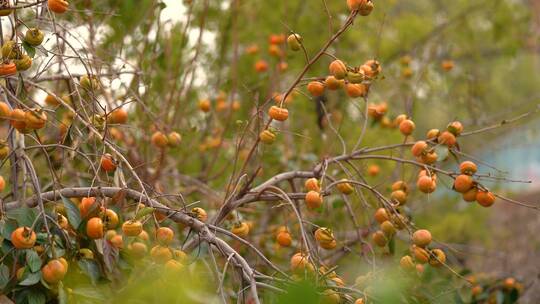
{"x":73,"y":213}
{"x":31,"y":279}
{"x":35,"y":296}
{"x":24,"y":216}
{"x":8,"y":228}
{"x":392,"y":245}
{"x":62,"y":295}
{"x":91,"y":269}
{"x":30,"y":50}
{"x":4,"y":276}
{"x":442,"y":152}
{"x":33,"y":261}
{"x":144,"y":212}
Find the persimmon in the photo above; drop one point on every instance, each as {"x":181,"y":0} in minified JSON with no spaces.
{"x":406,"y":263}
{"x":313,"y":199}
{"x":426,"y":184}
{"x":468,"y":167}
{"x":118,"y":116}
{"x":284,"y":238}
{"x":174,"y":139}
{"x":161,"y":254}
{"x":294,"y":41}
{"x":279,"y":97}
{"x":338,"y":69}
{"x":477,"y":290}
{"x":200,"y":214}
{"x":2,"y":184}
{"x":379,"y":238}
{"x":433,"y":134}
{"x":240,"y":229}
{"x":159,"y":140}
{"x":23,"y":238}
{"x":109,"y":234}
{"x":429,"y":158}
{"x":388,"y":228}
{"x":24,"y":63}
{"x":407,"y":72}
{"x":509,"y":284}
{"x":437,"y":258}
{"x":399,"y":196}
{"x":420,"y":255}
{"x":400,"y":185}
{"x":374,"y":170}
{"x":300,"y":261}
{"x":261,"y":66}
{"x":5,"y":110}
{"x":11,"y":50}
{"x":54,"y":271}
{"x":366,"y":9}
{"x":95,"y":228}
{"x":276,"y":39}
{"x":356,"y":90}
{"x":381,"y":215}
{"x":399,"y":119}
{"x":117,"y":241}
{"x":35,"y":119}
{"x":86,"y":253}
{"x":58,"y":6}
{"x":447,"y":138}
{"x":325,"y":238}
{"x":34,"y":36}
{"x":278,"y":113}
{"x":252,"y":49}
{"x":485,"y":198}
{"x":268,"y":137}
{"x":447,"y":65}
{"x":275,"y":51}
{"x":359,"y":301}
{"x":470,"y":195}
{"x":173,"y":266}
{"x":5,"y":8}
{"x":110,"y":219}
{"x":108,"y":163}
{"x":137,"y":249}
{"x":7,"y":69}
{"x":406,"y":127}
{"x":455,"y":128}
{"x":345,"y":187}
{"x":419,"y":148}
{"x":316,"y":88}
{"x":88,"y":206}
{"x":312,"y":184}
{"x":421,"y":237}
{"x":179,"y":255}
{"x":463,"y":183}
{"x":164,"y":236}
{"x":204,"y":105}
{"x":132,"y":228}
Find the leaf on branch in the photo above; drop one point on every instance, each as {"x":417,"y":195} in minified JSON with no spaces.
{"x":4,"y":276}
{"x":24,"y":216}
{"x":33,"y":261}
{"x":31,"y":279}
{"x":73,"y":213}
{"x":30,"y":50}
{"x":91,"y":269}
{"x":442,"y":152}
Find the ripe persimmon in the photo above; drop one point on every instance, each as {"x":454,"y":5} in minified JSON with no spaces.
{"x":419,"y":148}
{"x":345,"y":187}
{"x":110,"y":219}
{"x":463,"y":183}
{"x":437,"y":258}
{"x":406,"y":127}
{"x":54,"y":271}
{"x":338,"y":69}
{"x":485,"y":198}
{"x":312,"y":184}
{"x":278,"y":113}
{"x":95,"y":228}
{"x":204,"y":105}
{"x":315,"y":88}
{"x":23,"y":238}
{"x":313,"y":199}
{"x":447,"y":138}
{"x":108,"y":163}
{"x":468,"y":167}
{"x":58,"y":6}
{"x":426,"y":184}
{"x":240,"y":229}
{"x":164,"y":236}
{"x":284,"y":238}
{"x":381,"y":215}
{"x":161,"y":254}
{"x":421,"y":237}
{"x":332,"y":83}
{"x":355,"y":90}
{"x":132,"y":228}
{"x":159,"y":140}
{"x":7,"y":69}
{"x":379,"y":238}
{"x":261,"y":66}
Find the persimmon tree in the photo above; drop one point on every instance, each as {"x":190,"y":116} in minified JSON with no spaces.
{"x":139,"y":167}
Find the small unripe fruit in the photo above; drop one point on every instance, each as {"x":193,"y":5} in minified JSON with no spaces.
{"x":388,"y":228}
{"x":174,"y":139}
{"x":34,"y":36}
{"x":433,"y":134}
{"x":332,"y":83}
{"x":295,"y":42}
{"x":455,"y":128}
{"x":407,"y":263}
{"x":400,"y":185}
{"x":374,"y":170}
{"x":267,"y":137}
{"x":204,"y":105}
{"x":241,"y":229}
{"x":447,"y":65}
{"x":509,"y":284}
{"x":345,"y":188}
